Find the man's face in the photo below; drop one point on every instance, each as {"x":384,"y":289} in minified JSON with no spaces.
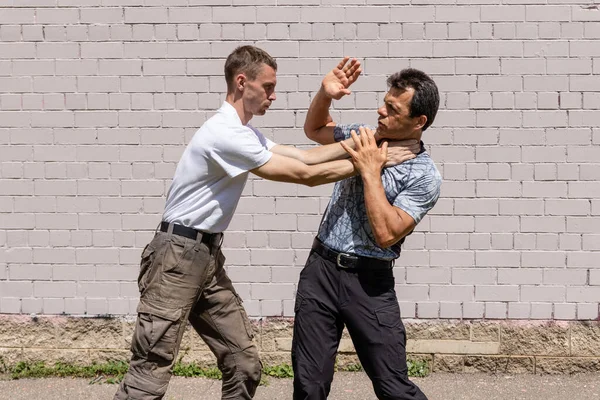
{"x":394,"y":120}
{"x":259,"y":93}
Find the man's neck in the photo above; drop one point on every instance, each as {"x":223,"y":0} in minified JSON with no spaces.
{"x":237,"y":103}
{"x":416,"y":136}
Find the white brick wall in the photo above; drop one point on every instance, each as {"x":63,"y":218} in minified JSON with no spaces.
{"x":98,"y":99}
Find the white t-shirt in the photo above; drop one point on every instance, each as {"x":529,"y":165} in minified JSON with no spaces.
{"x":213,"y":170}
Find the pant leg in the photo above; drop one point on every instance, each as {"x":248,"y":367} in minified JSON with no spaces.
{"x":372,"y":316}
{"x":221,"y":321}
{"x":317,"y":329}
{"x":172,"y":272}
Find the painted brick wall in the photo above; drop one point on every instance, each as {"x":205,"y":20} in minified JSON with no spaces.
{"x":99,"y":97}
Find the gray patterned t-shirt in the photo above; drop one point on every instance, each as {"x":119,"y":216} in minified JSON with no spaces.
{"x":413,"y":186}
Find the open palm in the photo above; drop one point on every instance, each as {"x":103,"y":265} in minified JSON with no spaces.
{"x":338,"y":80}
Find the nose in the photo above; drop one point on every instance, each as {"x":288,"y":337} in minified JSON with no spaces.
{"x":273,"y":96}
{"x":381,"y":111}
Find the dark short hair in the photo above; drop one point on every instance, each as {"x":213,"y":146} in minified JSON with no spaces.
{"x":426,"y":99}
{"x":247,"y":60}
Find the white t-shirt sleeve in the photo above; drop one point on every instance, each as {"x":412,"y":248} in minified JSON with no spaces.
{"x":239,"y":150}
{"x":270,"y":144}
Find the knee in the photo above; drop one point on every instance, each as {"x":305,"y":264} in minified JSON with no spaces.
{"x":241,"y":374}
{"x":249,"y":365}
{"x":243,"y":366}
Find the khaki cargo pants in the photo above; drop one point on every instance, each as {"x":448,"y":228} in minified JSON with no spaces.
{"x":183,"y":279}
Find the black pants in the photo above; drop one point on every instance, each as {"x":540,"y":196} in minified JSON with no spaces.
{"x":328,"y":298}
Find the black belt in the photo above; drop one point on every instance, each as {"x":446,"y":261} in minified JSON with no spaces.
{"x":350,"y":261}
{"x":190,"y":233}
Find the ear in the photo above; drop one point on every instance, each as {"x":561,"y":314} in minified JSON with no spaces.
{"x":240,"y":82}
{"x":421,"y":121}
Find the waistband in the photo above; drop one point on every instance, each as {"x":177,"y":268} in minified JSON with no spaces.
{"x":350,"y":261}
{"x":191,"y":233}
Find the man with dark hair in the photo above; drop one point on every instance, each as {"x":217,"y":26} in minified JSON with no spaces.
{"x":425,"y":99}
{"x":181,"y":271}
{"x":348,"y":278}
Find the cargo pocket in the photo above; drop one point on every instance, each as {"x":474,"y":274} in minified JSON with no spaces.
{"x":392,"y":339}
{"x":392,"y":330}
{"x":145,"y":264}
{"x":183,"y":272}
{"x":177,"y":254}
{"x":247,"y":325}
{"x":389,"y":316}
{"x":156,"y":332}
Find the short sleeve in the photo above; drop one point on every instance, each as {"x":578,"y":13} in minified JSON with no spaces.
{"x":420,"y":197}
{"x":240,"y":150}
{"x":269,"y":144}
{"x":342,"y":132}
{"x":265,"y":141}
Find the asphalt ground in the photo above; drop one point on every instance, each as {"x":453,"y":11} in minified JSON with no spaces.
{"x":346,"y":386}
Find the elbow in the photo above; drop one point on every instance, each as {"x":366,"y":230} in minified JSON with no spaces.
{"x":384,"y":244}
{"x":307,"y":178}
{"x":310,"y":133}
{"x":317,"y":135}
{"x":311,"y":181}
{"x":385,"y":239}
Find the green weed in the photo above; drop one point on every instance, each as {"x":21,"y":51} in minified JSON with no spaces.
{"x":113,"y":372}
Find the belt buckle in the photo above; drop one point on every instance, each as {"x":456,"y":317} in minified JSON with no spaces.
{"x":338,"y":260}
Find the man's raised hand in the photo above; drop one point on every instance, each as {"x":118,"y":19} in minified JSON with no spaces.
{"x":338,"y":80}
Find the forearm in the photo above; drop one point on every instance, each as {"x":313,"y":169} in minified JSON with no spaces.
{"x":328,"y":152}
{"x":383,"y":218}
{"x":333,"y":171}
{"x":286,"y":169}
{"x":318,"y":113}
{"x":315,"y":155}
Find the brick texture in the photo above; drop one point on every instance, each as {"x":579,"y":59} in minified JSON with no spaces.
{"x":99,"y":98}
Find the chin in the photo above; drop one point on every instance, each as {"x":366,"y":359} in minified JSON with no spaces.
{"x":383,"y":134}
{"x":393,"y":136}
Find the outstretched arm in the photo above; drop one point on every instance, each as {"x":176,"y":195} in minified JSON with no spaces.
{"x":398,"y":152}
{"x":285,"y":169}
{"x":318,"y":125}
